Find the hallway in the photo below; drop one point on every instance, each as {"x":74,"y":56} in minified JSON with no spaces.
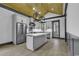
{"x":54,"y":47}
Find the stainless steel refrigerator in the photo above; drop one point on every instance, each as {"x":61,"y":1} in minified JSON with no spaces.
{"x":21,"y":30}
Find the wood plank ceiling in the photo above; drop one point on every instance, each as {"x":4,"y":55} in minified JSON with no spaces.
{"x":27,"y":8}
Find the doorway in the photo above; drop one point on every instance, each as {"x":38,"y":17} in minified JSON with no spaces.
{"x":56,"y":29}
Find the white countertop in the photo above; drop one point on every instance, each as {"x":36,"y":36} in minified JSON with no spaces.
{"x":36,"y":34}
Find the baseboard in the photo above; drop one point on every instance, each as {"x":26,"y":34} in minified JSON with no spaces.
{"x":6,"y":43}
{"x":59,"y":38}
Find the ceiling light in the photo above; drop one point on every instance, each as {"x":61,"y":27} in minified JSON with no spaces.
{"x":39,"y":12}
{"x":33,"y":8}
{"x":52,"y":9}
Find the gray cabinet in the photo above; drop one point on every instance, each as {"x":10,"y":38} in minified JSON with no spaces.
{"x":76,"y":47}
{"x":73,"y":45}
{"x":35,"y":40}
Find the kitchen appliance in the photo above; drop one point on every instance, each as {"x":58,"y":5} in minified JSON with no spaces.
{"x":21,"y":30}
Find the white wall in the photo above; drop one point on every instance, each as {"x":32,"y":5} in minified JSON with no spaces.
{"x":8,"y":21}
{"x":5,"y":26}
{"x":73,"y":18}
{"x":20,"y":17}
{"x":62,"y":27}
{"x":37,"y":25}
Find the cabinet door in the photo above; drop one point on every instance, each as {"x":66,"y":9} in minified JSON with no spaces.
{"x":39,"y":40}
{"x":76,"y":47}
{"x":71,"y":47}
{"x":29,"y":43}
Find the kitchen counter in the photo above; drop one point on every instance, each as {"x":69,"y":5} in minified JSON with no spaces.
{"x":35,"y":40}
{"x":36,"y":34}
{"x":73,"y":44}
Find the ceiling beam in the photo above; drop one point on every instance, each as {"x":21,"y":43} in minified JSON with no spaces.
{"x":8,"y":8}
{"x":54,"y":17}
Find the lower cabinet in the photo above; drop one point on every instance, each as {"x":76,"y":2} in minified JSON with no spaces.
{"x":73,"y":45}
{"x":34,"y":42}
{"x":76,"y":47}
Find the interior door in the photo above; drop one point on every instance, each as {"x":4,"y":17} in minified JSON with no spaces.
{"x":56,"y":29}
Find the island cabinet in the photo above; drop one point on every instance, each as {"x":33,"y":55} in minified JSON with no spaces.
{"x":35,"y":40}
{"x":73,"y":45}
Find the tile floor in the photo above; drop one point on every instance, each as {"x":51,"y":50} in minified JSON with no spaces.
{"x":54,"y":47}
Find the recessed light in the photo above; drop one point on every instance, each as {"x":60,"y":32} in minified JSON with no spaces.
{"x":52,"y":9}
{"x":33,"y":8}
{"x":39,"y":12}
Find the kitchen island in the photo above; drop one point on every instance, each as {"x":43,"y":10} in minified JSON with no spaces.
{"x":35,"y":40}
